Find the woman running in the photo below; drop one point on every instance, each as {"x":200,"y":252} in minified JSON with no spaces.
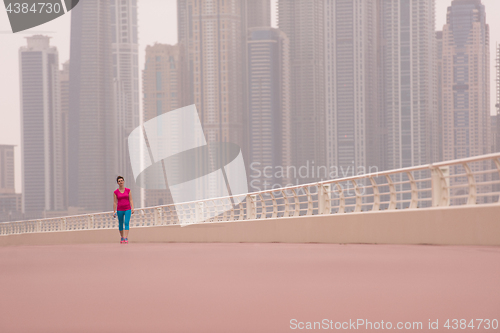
{"x":123,"y":207}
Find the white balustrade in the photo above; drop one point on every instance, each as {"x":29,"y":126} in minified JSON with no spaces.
{"x":469,"y":181}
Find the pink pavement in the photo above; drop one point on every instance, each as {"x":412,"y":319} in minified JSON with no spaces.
{"x":243,"y":287}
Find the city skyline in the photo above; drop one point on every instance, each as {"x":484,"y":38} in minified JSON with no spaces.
{"x":141,"y":50}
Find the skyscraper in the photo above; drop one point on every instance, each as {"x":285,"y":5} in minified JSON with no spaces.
{"x":163,"y":80}
{"x":211,"y":32}
{"x":125,"y":83}
{"x":352,"y":81}
{"x":466,"y":88}
{"x":64,"y":84}
{"x":41,"y":127}
{"x":93,"y":122}
{"x":439,"y":70}
{"x":7,"y":185}
{"x":497,"y":104}
{"x":254,"y":13}
{"x":10,"y":202}
{"x":258,"y":13}
{"x":268,"y":107}
{"x":303,"y":22}
{"x":409,"y":82}
{"x":465,"y":72}
{"x":493,"y":133}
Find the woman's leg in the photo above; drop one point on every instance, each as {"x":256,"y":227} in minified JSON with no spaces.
{"x":126,"y":228}
{"x":121,"y":216}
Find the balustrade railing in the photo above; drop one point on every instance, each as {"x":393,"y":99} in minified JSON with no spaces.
{"x":470,"y":181}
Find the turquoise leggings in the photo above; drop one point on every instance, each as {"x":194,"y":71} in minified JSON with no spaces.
{"x":124,"y":215}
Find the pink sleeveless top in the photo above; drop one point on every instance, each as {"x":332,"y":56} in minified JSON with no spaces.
{"x":123,"y":201}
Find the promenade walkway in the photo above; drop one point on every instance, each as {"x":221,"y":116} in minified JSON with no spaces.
{"x":211,"y":287}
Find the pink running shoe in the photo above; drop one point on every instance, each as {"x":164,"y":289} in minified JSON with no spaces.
{"x":126,"y":241}
{"x":122,"y":240}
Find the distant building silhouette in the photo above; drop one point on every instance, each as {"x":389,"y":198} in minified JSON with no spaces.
{"x":466,"y":89}
{"x":303,"y":22}
{"x":10,"y":202}
{"x":409,"y":83}
{"x":41,"y":127}
{"x":364,"y":82}
{"x":258,"y":13}
{"x":125,"y":49}
{"x":212,"y":35}
{"x":439,"y":87}
{"x":497,"y":104}
{"x":494,"y":133}
{"x":93,"y":121}
{"x":465,"y":73}
{"x":64,"y":85}
{"x":352,"y":84}
{"x":7,"y":180}
{"x":268,"y":107}
{"x":163,"y":87}
{"x":254,"y":14}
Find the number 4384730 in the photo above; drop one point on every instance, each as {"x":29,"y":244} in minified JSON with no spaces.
{"x":473,"y":323}
{"x":40,"y":7}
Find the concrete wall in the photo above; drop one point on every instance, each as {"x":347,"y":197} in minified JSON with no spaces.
{"x":465,"y":225}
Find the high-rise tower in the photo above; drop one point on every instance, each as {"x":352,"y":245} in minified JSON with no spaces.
{"x":268,"y":107}
{"x":303,"y":22}
{"x":465,"y":72}
{"x":163,"y":80}
{"x":439,"y":88}
{"x":125,"y":83}
{"x":10,"y":202}
{"x":41,"y":127}
{"x":352,"y":83}
{"x":92,"y":118}
{"x":64,"y":84}
{"x":409,"y":78}
{"x":211,"y":31}
{"x":465,"y":91}
{"x":213,"y":35}
{"x":497,"y":104}
{"x":7,"y":183}
{"x":258,"y":13}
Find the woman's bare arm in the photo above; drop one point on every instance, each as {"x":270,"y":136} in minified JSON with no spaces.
{"x":115,"y":203}
{"x":131,"y":201}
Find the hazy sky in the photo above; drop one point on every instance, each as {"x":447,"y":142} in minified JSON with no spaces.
{"x":157,"y":23}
